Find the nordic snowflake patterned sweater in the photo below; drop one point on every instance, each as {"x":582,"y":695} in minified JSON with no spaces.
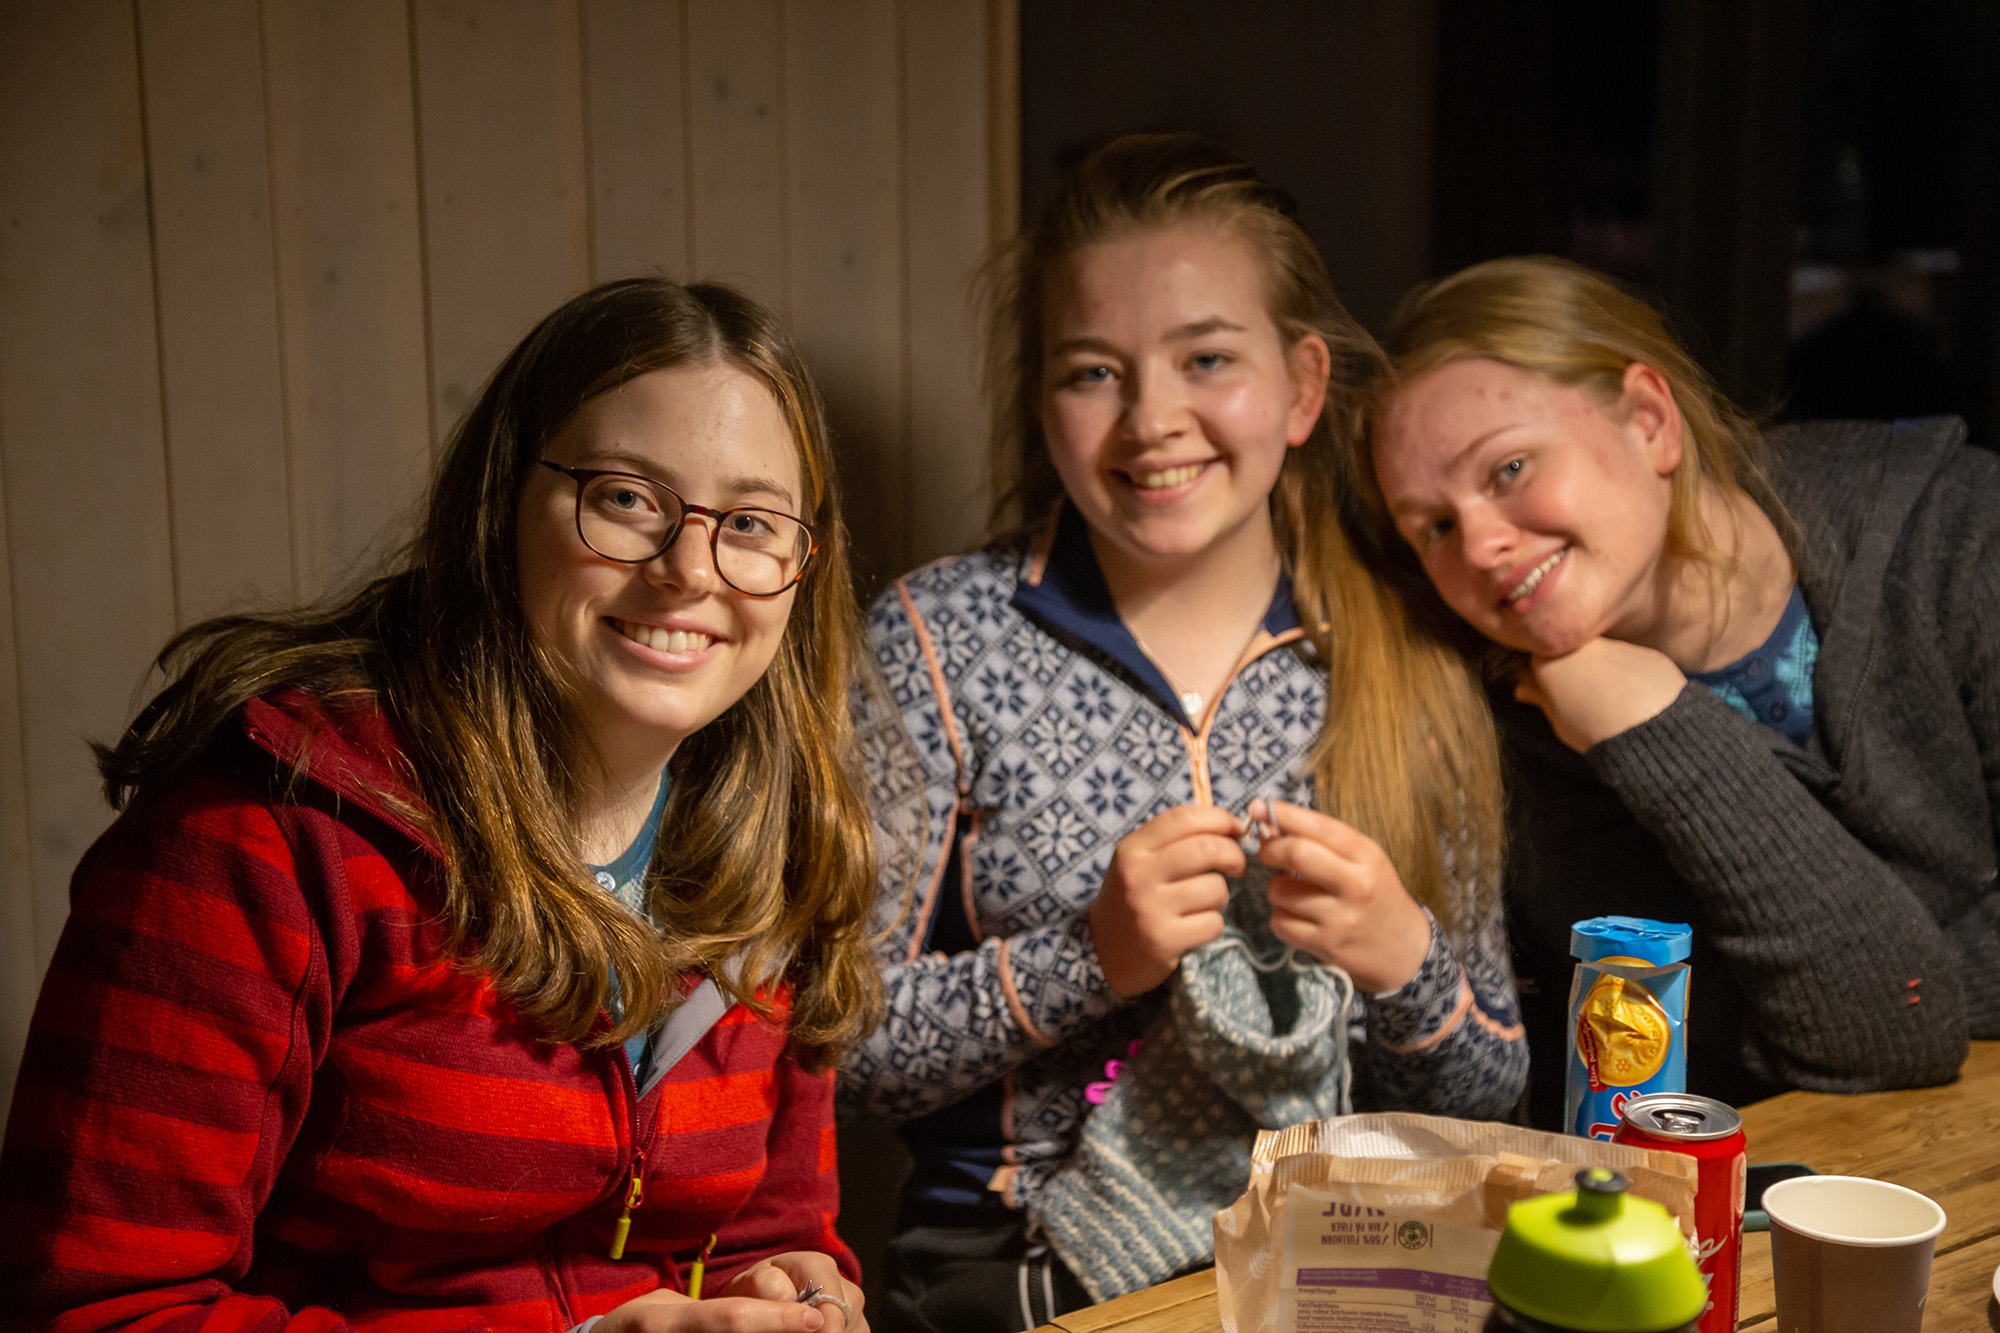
{"x":1046,"y":736}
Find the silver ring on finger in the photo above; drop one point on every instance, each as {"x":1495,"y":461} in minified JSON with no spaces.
{"x":822,"y":1298}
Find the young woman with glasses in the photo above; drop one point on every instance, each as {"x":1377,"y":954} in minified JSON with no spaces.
{"x":1168,"y":642}
{"x":474,"y":952}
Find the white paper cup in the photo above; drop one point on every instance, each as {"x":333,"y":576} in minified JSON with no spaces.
{"x":1850,"y":1255}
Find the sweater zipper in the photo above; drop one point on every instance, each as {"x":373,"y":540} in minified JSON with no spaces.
{"x":634,"y":1191}
{"x":1196,"y":738}
{"x":633,"y":1177}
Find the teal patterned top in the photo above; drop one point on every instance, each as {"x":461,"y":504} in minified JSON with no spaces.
{"x":1774,"y":684}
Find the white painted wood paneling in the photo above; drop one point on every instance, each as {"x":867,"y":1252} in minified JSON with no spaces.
{"x":635,"y":78}
{"x":956,"y":200}
{"x":202,"y":77}
{"x":846,"y":253}
{"x":87,"y":524}
{"x":256,"y":256}
{"x":350,"y":276}
{"x":506,"y":223}
{"x":736,"y":119}
{"x":21,"y":963}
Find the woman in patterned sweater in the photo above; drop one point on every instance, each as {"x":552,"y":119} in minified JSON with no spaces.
{"x":344,"y":1029}
{"x":1174,"y":644}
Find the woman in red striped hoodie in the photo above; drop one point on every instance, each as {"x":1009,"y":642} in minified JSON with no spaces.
{"x":414,"y":988}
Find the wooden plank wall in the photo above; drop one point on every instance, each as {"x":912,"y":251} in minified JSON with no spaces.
{"x":256,"y":258}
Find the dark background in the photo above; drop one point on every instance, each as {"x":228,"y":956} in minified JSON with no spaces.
{"x":1811,"y":191}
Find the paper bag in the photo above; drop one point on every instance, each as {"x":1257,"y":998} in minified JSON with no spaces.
{"x":1387,"y":1222}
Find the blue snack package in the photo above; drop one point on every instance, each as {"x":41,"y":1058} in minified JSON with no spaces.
{"x":1627,"y":1018}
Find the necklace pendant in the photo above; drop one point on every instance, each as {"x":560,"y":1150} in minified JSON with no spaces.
{"x":1191,"y":704}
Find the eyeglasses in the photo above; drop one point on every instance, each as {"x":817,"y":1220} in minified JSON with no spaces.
{"x":633,"y":519}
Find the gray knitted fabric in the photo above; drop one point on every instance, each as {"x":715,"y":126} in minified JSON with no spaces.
{"x":1253,"y":1038}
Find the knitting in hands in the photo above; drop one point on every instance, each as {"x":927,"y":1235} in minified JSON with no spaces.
{"x":1338,"y":897}
{"x":1164,"y":894}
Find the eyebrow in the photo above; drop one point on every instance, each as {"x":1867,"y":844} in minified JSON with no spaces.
{"x":737,"y":487}
{"x":1201,"y":328}
{"x":1198,"y":328}
{"x":1478,"y":442}
{"x":1086,"y":343}
{"x":1457,"y":460}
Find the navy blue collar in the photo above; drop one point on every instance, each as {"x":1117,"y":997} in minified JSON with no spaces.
{"x":1063,"y":586}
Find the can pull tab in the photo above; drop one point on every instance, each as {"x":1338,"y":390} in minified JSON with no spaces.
{"x":634,"y":1193}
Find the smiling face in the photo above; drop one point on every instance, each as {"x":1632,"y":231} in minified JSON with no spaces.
{"x":1168,"y":394}
{"x":655,"y":651}
{"x":1540,"y":516}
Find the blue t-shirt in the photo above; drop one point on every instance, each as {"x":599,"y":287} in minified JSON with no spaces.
{"x":1773,"y":685}
{"x":625,"y":880}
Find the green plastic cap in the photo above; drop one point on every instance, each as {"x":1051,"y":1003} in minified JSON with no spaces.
{"x":1598,"y":1261}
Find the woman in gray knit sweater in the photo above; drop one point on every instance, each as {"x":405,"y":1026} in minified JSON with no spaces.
{"x":1754,"y":683}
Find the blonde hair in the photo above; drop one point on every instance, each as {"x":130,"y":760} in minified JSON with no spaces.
{"x":766,"y":846}
{"x":1407,"y":754}
{"x":1566,"y":323}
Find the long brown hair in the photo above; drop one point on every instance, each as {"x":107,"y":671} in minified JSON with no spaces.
{"x":765,"y":846}
{"x":1407,"y":754}
{"x":1557,"y":319}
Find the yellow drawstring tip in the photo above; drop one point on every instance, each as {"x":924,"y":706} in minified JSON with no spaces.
{"x":700,"y":1267}
{"x":636,"y":1192}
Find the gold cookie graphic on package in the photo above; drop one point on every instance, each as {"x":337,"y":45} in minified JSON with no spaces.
{"x":1622,"y":1033}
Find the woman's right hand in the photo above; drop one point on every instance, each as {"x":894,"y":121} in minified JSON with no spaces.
{"x":1164,"y":894}
{"x":671,"y":1312}
{"x":1601,"y":690}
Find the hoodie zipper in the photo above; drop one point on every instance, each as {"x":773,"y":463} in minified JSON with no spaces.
{"x":634,"y":1189}
{"x":632,"y":1177}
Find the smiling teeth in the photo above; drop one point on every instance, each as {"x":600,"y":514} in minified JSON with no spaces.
{"x":664,"y":641}
{"x":1173,"y":476}
{"x":1528,"y":584}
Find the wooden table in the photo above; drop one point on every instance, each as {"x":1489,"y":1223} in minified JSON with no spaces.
{"x":1944,"y":1142}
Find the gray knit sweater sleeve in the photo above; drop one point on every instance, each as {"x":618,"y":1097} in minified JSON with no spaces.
{"x":1975,"y":933}
{"x":1826,"y":941}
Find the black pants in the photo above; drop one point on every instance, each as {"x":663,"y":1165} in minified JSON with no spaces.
{"x":958,"y":1269}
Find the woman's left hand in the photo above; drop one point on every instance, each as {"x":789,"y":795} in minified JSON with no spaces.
{"x":1605,"y":687}
{"x":783,"y":1276}
{"x":1339,"y":898}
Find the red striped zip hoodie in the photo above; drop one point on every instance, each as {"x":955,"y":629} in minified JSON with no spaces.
{"x":257,"y":1094}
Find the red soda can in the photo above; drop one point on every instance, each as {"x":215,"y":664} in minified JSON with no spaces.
{"x":1712,"y":1134}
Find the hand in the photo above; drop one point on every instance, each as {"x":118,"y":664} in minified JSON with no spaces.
{"x":1164,"y":894}
{"x":783,"y":1276}
{"x":671,"y":1312}
{"x":1604,"y":688}
{"x":1339,"y":898}
{"x":761,"y":1299}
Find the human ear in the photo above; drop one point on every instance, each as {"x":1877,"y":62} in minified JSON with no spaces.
{"x":1309,"y":363}
{"x":1648,"y":412}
